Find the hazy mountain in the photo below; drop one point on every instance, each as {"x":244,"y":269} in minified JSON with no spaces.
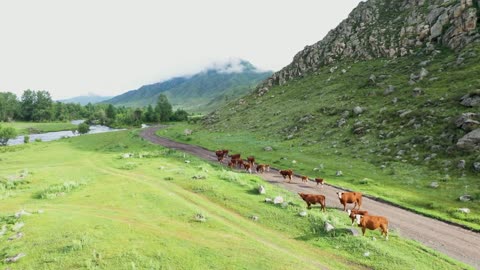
{"x":84,"y":100}
{"x":200,"y":92}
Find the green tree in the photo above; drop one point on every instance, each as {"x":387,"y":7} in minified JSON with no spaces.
{"x":83,"y":128}
{"x":27,"y":104}
{"x":9,"y":106}
{"x":6,"y":134}
{"x":180,"y":115}
{"x":163,"y":108}
{"x":110,"y":112}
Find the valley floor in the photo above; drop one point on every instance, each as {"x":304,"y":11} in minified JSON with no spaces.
{"x":115,"y":201}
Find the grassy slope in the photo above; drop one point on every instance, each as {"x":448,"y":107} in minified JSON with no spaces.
{"x":405,"y":179}
{"x":138,"y":213}
{"x":32,"y":127}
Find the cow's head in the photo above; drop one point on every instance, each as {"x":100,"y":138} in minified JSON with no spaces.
{"x":357,"y":218}
{"x":301,"y":194}
{"x":339,"y":194}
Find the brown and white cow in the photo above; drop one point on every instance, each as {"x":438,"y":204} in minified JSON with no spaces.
{"x":320,"y":181}
{"x":353,"y":214}
{"x":313,"y":199}
{"x":287,"y":173}
{"x":373,"y":223}
{"x":350,"y":197}
{"x":251,"y":160}
{"x":261,"y":168}
{"x":305,"y":179}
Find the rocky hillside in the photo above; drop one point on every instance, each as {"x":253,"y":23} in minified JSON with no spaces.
{"x":398,"y":81}
{"x":201,"y":92}
{"x":388,"y":29}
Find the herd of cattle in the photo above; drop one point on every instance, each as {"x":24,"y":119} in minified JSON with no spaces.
{"x":361,"y":217}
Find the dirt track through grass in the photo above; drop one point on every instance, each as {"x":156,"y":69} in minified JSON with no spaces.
{"x":454,"y":241}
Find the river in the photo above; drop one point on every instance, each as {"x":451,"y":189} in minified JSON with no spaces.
{"x":51,"y":136}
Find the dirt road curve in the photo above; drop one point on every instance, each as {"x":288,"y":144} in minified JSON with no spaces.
{"x":456,"y":242}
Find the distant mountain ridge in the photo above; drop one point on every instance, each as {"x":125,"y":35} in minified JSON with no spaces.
{"x":84,"y":100}
{"x":200,"y":92}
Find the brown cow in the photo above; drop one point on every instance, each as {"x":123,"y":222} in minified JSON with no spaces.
{"x":286,"y":173}
{"x":231,"y":164}
{"x":240,"y":163}
{"x":373,"y":223}
{"x":313,"y":199}
{"x":350,"y":197}
{"x":262,"y":168}
{"x":305,"y":179}
{"x":220,"y":155}
{"x":248,"y":167}
{"x":235,"y":156}
{"x":251,"y":160}
{"x":320,"y":181}
{"x":353,"y":214}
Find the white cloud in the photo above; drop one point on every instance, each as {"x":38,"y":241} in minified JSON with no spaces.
{"x":108,"y":47}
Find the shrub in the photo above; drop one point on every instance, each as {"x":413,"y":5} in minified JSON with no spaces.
{"x":26,"y":139}
{"x":83,"y":128}
{"x":6,"y":134}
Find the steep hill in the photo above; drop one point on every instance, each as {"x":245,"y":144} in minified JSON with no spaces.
{"x":84,"y":100}
{"x":393,"y":91}
{"x":201,"y":92}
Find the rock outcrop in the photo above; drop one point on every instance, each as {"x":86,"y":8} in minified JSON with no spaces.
{"x":386,"y":28}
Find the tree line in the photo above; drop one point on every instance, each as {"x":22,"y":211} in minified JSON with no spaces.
{"x":38,"y":106}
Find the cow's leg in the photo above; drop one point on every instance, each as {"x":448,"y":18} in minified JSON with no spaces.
{"x":309,"y":205}
{"x":363,"y":231}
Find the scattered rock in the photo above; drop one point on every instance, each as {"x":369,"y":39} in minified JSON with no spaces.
{"x":17,"y":226}
{"x":423,"y":73}
{"x":476,"y":166}
{"x":254,"y":218}
{"x":15,"y":258}
{"x":187,"y":132}
{"x":417,"y":92}
{"x":127,"y":155}
{"x":366,"y":254}
{"x":18,"y":235}
{"x":285,"y":204}
{"x":468,"y":121}
{"x":197,"y":177}
{"x":403,"y":113}
{"x":3,"y":230}
{"x":358,"y":110}
{"x":372,"y":78}
{"x":434,"y":185}
{"x":464,"y":210}
{"x":461,"y":164}
{"x":395,"y":100}
{"x":294,"y":161}
{"x":187,"y":161}
{"x":289,"y":137}
{"x":390,"y":89}
{"x":268,"y":148}
{"x":341,"y":122}
{"x":303,"y":214}
{"x":353,"y":231}
{"x":22,"y":213}
{"x":328,"y":227}
{"x":471,"y":141}
{"x":261,"y":190}
{"x":339,"y":173}
{"x":268,"y":200}
{"x":200,"y":217}
{"x":40,"y":211}
{"x":278,"y":200}
{"x":471,"y":100}
{"x":465,"y":198}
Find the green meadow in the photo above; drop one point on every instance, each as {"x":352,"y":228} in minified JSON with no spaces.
{"x":25,"y":128}
{"x":115,"y":201}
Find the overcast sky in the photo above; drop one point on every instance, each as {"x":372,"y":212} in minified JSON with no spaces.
{"x":72,"y":48}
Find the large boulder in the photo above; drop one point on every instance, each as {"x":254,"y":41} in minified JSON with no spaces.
{"x":471,"y":141}
{"x":468,"y":121}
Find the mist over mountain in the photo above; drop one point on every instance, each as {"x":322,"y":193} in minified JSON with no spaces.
{"x":201,"y":92}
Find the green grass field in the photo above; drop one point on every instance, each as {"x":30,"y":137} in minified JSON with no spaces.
{"x":92,"y":209}
{"x":24,"y":128}
{"x":401,"y":183}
